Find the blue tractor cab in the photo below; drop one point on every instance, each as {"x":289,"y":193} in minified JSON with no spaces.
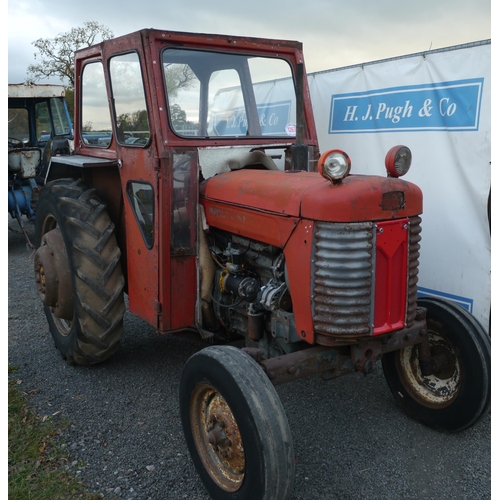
{"x":39,"y":127}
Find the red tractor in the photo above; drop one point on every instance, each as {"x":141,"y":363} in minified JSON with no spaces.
{"x":196,"y":187}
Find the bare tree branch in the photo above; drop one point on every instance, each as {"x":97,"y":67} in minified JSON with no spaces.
{"x":56,"y":55}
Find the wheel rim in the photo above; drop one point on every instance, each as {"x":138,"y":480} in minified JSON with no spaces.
{"x":49,"y":223}
{"x":53,"y":276}
{"x":217,"y":438}
{"x":443,"y":386}
{"x":63,"y":326}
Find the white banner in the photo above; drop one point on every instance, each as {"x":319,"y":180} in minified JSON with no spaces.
{"x":439,"y":105}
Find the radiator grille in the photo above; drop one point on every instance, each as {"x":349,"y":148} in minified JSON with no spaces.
{"x":413,"y":256}
{"x":343,"y":284}
{"x":343,"y":278}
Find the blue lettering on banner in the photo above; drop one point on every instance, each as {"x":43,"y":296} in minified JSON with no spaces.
{"x":273,"y":118}
{"x":447,"y":106}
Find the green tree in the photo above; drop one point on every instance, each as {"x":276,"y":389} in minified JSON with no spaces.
{"x":134,"y":122}
{"x":70,"y":101}
{"x":178,"y":116}
{"x":56,"y":55}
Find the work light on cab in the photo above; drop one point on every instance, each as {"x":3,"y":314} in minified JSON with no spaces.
{"x":334,"y":165}
{"x":398,"y":161}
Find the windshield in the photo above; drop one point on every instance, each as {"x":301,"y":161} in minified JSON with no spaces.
{"x":212,"y":94}
{"x":35,"y":121}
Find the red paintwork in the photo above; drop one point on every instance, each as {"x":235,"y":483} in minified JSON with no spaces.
{"x":178,"y":273}
{"x":298,"y":254}
{"x":148,"y":43}
{"x":179,"y":313}
{"x":391,"y":275}
{"x":358,"y":199}
{"x":162,"y":288}
{"x":270,"y":191}
{"x":308,"y":195}
{"x":285,"y":206}
{"x":274,"y":229}
{"x":274,"y":207}
{"x":291,"y":51}
{"x":295,"y":236}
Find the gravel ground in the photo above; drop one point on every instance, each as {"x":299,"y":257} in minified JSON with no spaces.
{"x":125,"y":439}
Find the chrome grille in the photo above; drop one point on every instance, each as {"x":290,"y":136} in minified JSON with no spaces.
{"x":413,"y":255}
{"x":343,"y":284}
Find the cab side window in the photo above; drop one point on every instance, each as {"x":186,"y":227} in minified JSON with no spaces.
{"x":131,"y":116}
{"x":141,"y":196}
{"x":96,"y":119}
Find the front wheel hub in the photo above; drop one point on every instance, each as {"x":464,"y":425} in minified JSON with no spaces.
{"x":53,"y":275}
{"x":217,"y":438}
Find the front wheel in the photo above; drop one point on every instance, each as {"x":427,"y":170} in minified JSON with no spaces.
{"x":457,"y":394}
{"x":235,"y":426}
{"x":78,"y":273}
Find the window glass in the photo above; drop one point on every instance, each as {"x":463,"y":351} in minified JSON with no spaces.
{"x":96,"y":120}
{"x":18,"y":125}
{"x":183,"y":210}
{"x":141,"y":196}
{"x":213,"y":94}
{"x":132,"y":123}
{"x":42,"y":121}
{"x":226,"y":108}
{"x":62,"y":125}
{"x":275,"y":95}
{"x":184,"y":89}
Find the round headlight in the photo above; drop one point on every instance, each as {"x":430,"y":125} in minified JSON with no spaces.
{"x":334,"y":165}
{"x":398,"y":161}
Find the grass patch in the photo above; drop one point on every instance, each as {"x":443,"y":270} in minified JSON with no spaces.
{"x":36,"y":462}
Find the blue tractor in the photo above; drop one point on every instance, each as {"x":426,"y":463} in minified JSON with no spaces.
{"x":39,"y":127}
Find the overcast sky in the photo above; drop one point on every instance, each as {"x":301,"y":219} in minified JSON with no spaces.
{"x":334,"y":33}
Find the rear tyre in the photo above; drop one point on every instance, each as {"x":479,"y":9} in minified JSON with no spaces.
{"x":235,"y":426}
{"x":78,"y":272}
{"x":457,"y":394}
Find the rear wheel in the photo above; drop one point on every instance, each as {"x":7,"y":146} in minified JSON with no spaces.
{"x":78,"y":273}
{"x":235,"y":426}
{"x":457,"y":394}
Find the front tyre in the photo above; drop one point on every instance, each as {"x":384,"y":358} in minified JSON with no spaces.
{"x":235,"y":426}
{"x":457,"y":394}
{"x":78,"y":273}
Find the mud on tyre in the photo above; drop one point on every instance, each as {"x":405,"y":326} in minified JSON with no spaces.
{"x":78,"y":272}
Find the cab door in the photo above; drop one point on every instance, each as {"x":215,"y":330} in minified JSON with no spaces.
{"x":139,"y":165}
